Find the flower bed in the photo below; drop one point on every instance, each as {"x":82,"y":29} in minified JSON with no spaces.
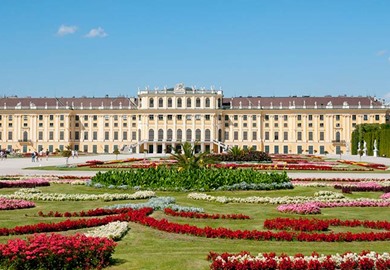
{"x":113,"y":230}
{"x":362,"y":187}
{"x":347,"y":261}
{"x":31,"y":194}
{"x":315,"y":207}
{"x":308,"y":208}
{"x":304,"y":224}
{"x":385,"y":196}
{"x":10,"y":204}
{"x":57,"y":251}
{"x":170,"y":212}
{"x":28,"y":183}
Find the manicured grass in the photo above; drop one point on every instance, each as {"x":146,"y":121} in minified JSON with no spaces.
{"x":147,"y":248}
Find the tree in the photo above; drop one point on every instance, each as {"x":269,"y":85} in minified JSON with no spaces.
{"x":235,"y":151}
{"x":187,"y":158}
{"x":67,"y":152}
{"x":116,"y":153}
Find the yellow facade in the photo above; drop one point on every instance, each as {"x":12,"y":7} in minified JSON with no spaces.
{"x":158,"y":120}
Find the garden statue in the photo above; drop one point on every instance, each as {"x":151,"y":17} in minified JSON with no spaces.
{"x":364,"y":148}
{"x":358,"y":149}
{"x":375,"y":149}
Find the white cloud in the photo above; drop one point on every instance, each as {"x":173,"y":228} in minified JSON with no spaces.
{"x":66,"y":30}
{"x":381,"y":52}
{"x":96,"y":32}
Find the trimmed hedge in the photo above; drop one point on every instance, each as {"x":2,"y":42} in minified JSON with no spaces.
{"x":163,"y":178}
{"x":369,"y":133}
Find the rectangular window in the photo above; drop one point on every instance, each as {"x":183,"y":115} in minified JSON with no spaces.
{"x":85,"y":135}
{"x":115,"y":135}
{"x":266,"y":137}
{"x":160,"y":117}
{"x":353,"y":117}
{"x":276,"y":149}
{"x":322,"y":136}
{"x":40,"y":117}
{"x":235,"y":135}
{"x":40,"y":135}
{"x":322,"y":125}
{"x":235,"y":117}
{"x":310,"y":136}
{"x":179,"y":117}
{"x":94,"y":134}
{"x":365,"y":117}
{"x":245,"y":117}
{"x":254,"y":125}
{"x":245,"y":135}
{"x":254,"y":117}
{"x":106,"y":135}
{"x":197,"y":116}
{"x":266,"y":117}
{"x":9,"y":135}
{"x":285,"y":136}
{"x":170,"y":116}
{"x":85,"y":150}
{"x":188,"y":117}
{"x":51,"y":135}
{"x":151,"y":117}
{"x":124,"y":135}
{"x":276,"y":117}
{"x":299,"y":136}
{"x":77,"y":135}
{"x":299,"y":149}
{"x":51,"y":117}
{"x":285,"y":149}
{"x":94,"y":117}
{"x":62,"y":117}
{"x":276,"y":136}
{"x":254,"y":135}
{"x":134,"y":136}
{"x":61,"y":135}
{"x":85,"y":117}
{"x":377,"y":117}
{"x":226,"y":135}
{"x":310,"y":117}
{"x":266,"y":148}
{"x":299,"y":117}
{"x":321,"y":117}
{"x":337,"y":117}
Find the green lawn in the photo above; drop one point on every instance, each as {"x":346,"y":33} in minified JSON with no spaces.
{"x":146,"y":248}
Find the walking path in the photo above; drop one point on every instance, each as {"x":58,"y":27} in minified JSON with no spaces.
{"x":13,"y":166}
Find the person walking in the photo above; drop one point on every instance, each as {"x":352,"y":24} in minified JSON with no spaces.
{"x":33,"y":156}
{"x":47,"y":154}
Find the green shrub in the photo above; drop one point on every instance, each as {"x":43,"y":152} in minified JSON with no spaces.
{"x":163,"y":178}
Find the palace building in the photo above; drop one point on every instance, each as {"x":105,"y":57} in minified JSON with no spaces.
{"x":157,"y":121}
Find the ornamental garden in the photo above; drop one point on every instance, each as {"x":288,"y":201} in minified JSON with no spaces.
{"x":196,"y":211}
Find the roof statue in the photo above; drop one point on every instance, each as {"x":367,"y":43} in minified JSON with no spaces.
{"x":179,"y":89}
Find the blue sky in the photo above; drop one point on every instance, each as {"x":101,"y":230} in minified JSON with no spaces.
{"x":262,"y":48}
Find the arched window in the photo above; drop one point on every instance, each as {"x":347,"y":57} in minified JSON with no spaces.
{"x":197,"y":103}
{"x":337,"y":136}
{"x":219,"y":103}
{"x":151,"y":135}
{"x":140,"y":102}
{"x":188,"y":102}
{"x":179,"y":135}
{"x":25,"y":136}
{"x":207,"y":103}
{"x":169,"y":135}
{"x":169,"y":102}
{"x":160,"y":103}
{"x":189,"y":135}
{"x":151,"y":103}
{"x":197,"y":135}
{"x":220,"y":135}
{"x":160,"y":135}
{"x":207,"y":135}
{"x":179,"y":103}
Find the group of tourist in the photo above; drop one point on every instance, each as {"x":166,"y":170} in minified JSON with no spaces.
{"x":35,"y":156}
{"x":3,"y":154}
